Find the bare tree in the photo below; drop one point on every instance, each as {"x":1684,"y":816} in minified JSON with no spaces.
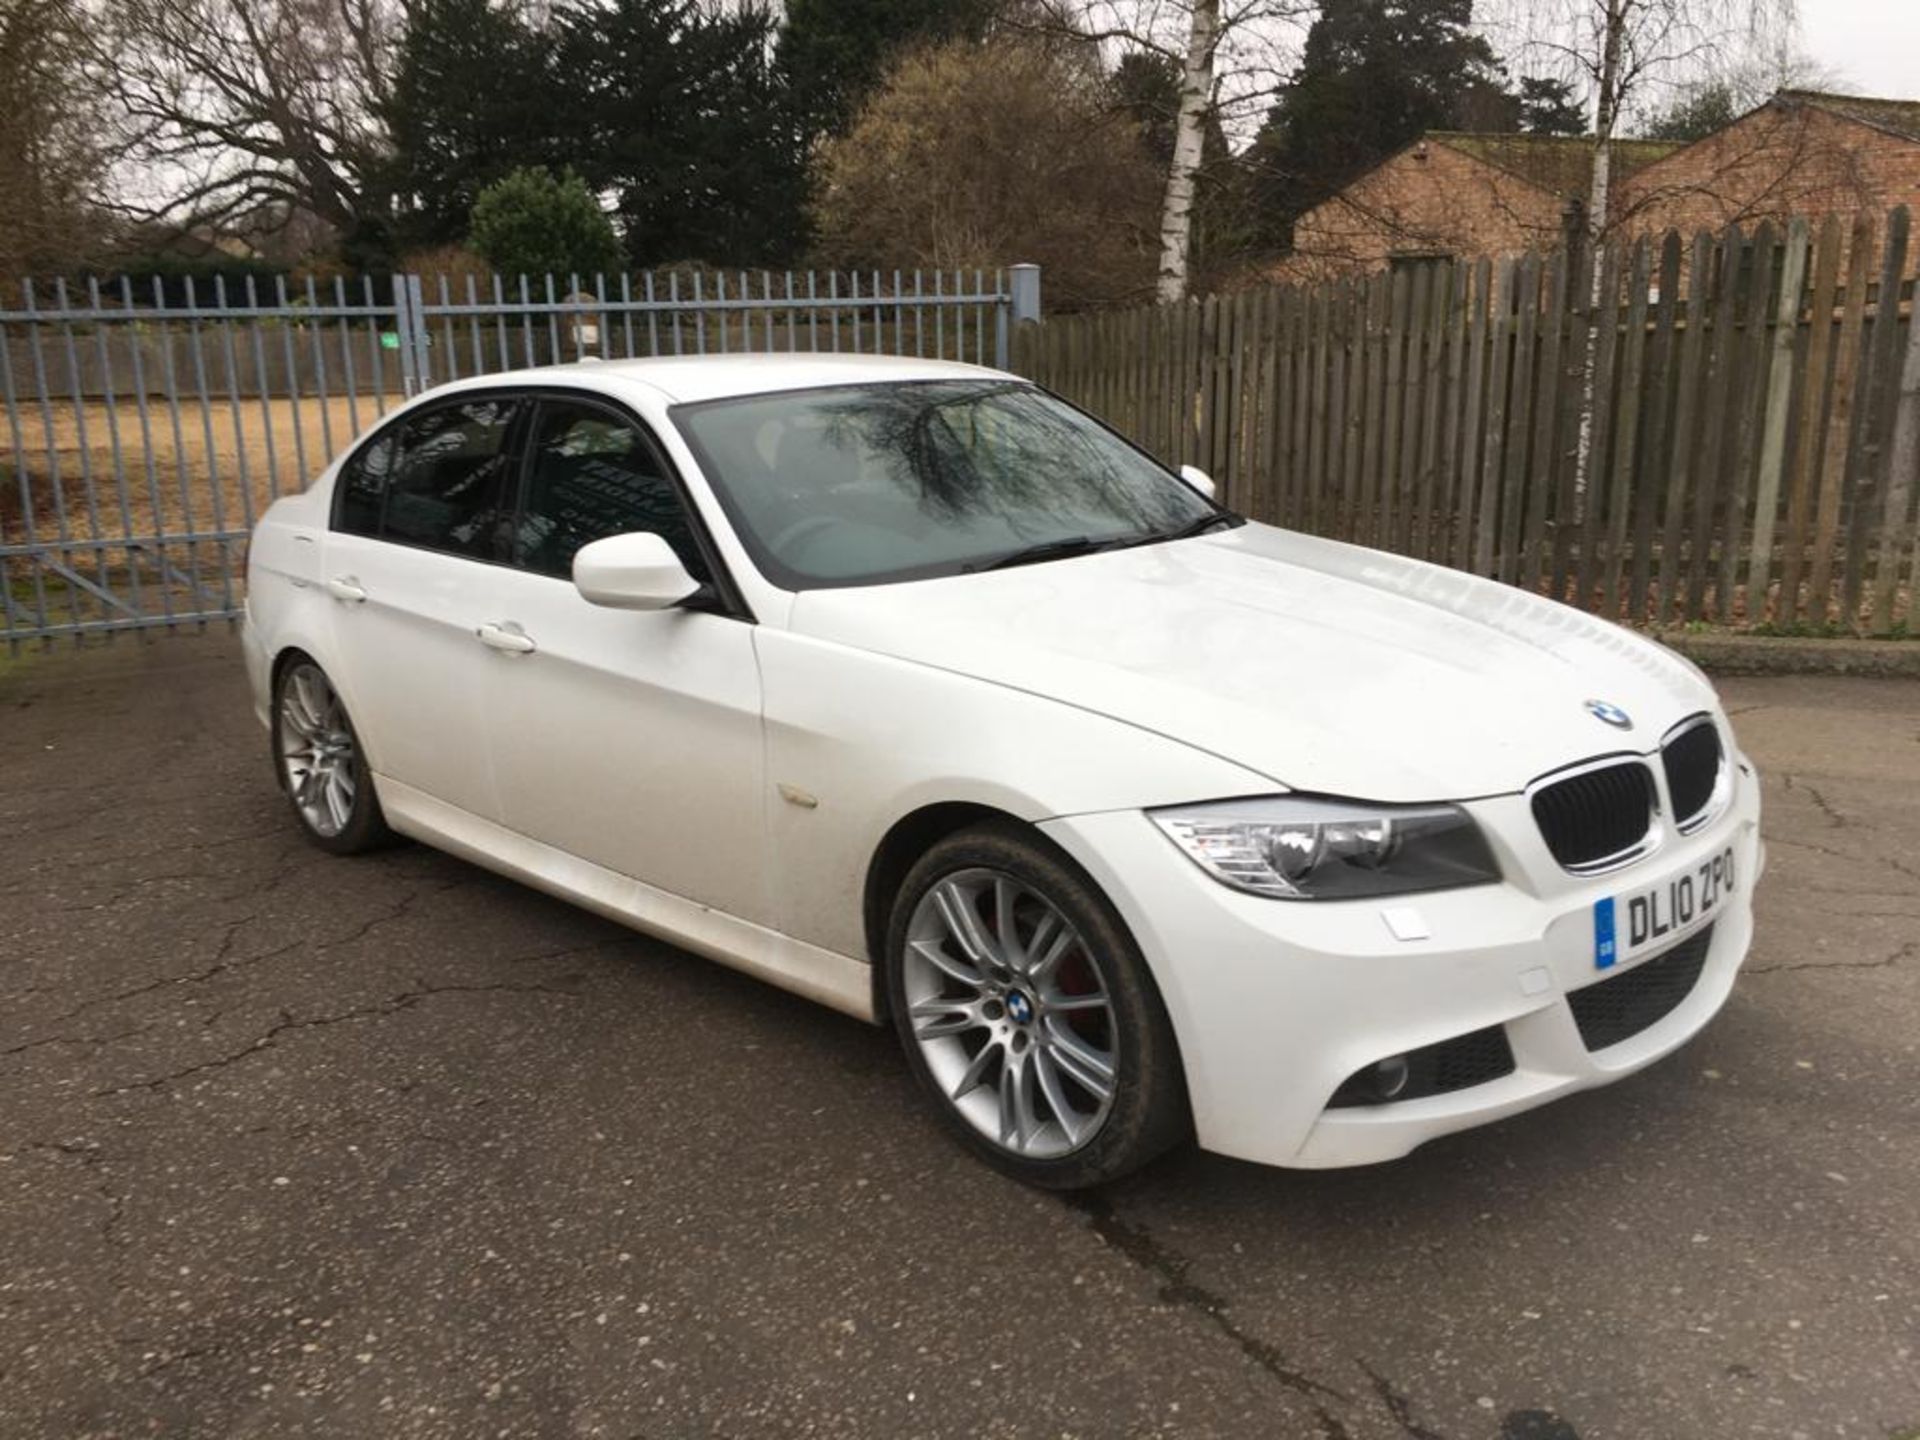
{"x":1189,"y":136}
{"x":52,"y":158}
{"x":1625,"y":51}
{"x":238,"y":108}
{"x":1231,"y":55}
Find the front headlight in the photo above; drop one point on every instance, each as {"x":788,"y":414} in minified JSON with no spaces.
{"x":1304,"y":847}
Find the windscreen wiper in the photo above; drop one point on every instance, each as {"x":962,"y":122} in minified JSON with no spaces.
{"x":1072,"y":545}
{"x":1048,"y":550}
{"x":1192,"y":528}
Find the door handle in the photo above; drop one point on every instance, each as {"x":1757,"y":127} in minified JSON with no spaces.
{"x":348,"y":588}
{"x":509,"y":637}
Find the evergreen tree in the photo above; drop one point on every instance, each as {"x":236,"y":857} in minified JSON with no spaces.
{"x":1697,"y":113}
{"x":832,"y":53}
{"x":1548,"y":107}
{"x":1375,"y":74}
{"x":673,"y":111}
{"x":678,"y":113}
{"x":455,"y":123}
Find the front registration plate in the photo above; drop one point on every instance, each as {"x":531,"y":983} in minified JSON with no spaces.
{"x":1626,"y":926}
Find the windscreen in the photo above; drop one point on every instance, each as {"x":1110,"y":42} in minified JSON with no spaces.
{"x":860,"y":484}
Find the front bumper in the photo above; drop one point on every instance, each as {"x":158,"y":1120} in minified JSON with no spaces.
{"x":1275,"y":1003}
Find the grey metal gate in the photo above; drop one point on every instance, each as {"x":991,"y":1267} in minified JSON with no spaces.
{"x":146,"y":428}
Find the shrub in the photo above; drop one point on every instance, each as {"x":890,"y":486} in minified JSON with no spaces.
{"x":532,"y":222}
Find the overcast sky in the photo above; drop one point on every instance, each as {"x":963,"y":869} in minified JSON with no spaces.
{"x":1873,"y":46}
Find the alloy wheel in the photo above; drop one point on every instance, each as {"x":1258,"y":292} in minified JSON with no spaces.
{"x":317,"y":752}
{"x":1011,"y":1013}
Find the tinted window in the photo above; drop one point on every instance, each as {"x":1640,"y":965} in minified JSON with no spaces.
{"x":858,"y":484}
{"x":594,"y":475}
{"x":452,"y":485}
{"x":363,"y":482}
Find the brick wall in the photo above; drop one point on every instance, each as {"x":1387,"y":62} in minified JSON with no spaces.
{"x":1789,"y":158}
{"x":1778,"y":162}
{"x":1430,"y":197}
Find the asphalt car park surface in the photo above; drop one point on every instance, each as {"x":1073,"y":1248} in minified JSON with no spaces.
{"x":292,"y":1144}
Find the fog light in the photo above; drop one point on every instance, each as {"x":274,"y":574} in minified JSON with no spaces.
{"x":1438,"y":1069}
{"x":1389,"y":1077}
{"x":1377,"y":1083}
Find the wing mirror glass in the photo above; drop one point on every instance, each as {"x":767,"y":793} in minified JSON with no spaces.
{"x":633,"y":572}
{"x":1200,"y":480}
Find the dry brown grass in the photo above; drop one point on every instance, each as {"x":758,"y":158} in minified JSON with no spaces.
{"x":174,"y":479}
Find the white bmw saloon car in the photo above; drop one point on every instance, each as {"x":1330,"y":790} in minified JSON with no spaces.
{"x":909,"y":687}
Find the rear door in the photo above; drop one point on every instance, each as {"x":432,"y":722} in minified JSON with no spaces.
{"x":421,"y":541}
{"x":631,"y":739}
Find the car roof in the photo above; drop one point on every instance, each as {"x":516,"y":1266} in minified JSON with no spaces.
{"x":691,"y":378}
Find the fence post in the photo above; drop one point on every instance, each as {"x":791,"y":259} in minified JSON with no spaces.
{"x":403,"y":335}
{"x":1023,"y":301}
{"x":423,"y":362}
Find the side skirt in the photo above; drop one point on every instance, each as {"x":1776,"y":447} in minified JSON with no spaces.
{"x":833,"y":979}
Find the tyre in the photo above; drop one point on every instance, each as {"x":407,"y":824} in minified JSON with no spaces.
{"x":321,"y":766}
{"x":1027,"y":1013}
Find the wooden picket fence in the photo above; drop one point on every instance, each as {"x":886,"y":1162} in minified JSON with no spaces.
{"x":1731,"y":434}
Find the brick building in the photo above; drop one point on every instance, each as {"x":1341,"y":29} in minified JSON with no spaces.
{"x":1445,"y":195}
{"x":1801,"y":153}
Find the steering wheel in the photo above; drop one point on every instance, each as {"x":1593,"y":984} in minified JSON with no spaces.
{"x":806,"y":525}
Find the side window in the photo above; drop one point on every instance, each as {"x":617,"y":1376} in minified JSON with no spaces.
{"x":452,"y":486}
{"x":594,"y":475}
{"x":363,"y":482}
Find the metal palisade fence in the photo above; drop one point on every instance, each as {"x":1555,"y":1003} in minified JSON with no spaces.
{"x":1730,"y":434}
{"x":1722,"y":429}
{"x":146,"y":427}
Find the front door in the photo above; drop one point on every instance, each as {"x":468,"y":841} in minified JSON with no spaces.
{"x":630,"y":739}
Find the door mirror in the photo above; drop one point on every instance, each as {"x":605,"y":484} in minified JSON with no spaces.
{"x":1200,"y":480}
{"x":632,"y":572}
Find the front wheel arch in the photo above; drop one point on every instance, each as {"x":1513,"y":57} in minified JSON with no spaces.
{"x":917,"y":832}
{"x":287,"y":655}
{"x":366,"y":826}
{"x":1156,"y":1111}
{"x":899,"y":850}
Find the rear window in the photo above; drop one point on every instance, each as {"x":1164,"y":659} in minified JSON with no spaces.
{"x":451,"y":488}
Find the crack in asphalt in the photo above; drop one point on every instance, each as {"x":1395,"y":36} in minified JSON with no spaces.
{"x":220,"y":965}
{"x":1170,"y":1268}
{"x":1892,"y":862}
{"x":291,"y":861}
{"x":398,"y":910}
{"x":1836,"y":820}
{"x":1399,"y":1406}
{"x":1905,"y":952}
{"x":90,"y":1158}
{"x":49,"y":1040}
{"x":406,"y":1000}
{"x":1826,"y":806}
